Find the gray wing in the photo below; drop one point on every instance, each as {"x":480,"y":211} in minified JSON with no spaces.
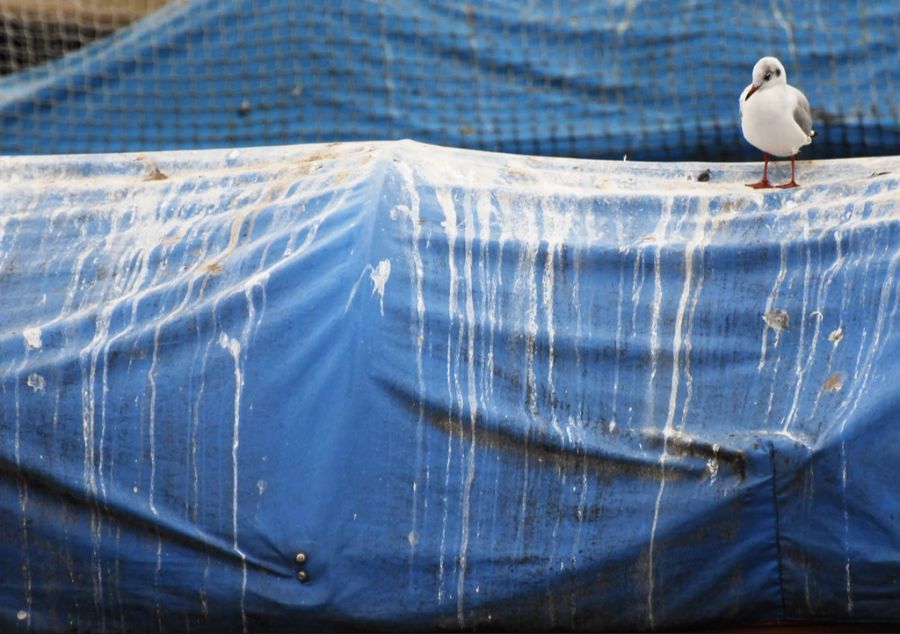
{"x":802,"y":114}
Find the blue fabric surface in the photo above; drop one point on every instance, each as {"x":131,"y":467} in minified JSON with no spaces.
{"x":476,"y":390}
{"x":654,"y":80}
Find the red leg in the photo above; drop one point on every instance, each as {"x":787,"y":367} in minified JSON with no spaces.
{"x":764,"y":183}
{"x":792,"y":182}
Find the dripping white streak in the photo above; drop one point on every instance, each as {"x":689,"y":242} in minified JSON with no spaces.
{"x":820,"y":301}
{"x":473,"y":412}
{"x":619,"y":342}
{"x":873,"y":349}
{"x":770,"y":301}
{"x":525,"y":274}
{"x":151,"y":376}
{"x":547,"y":283}
{"x":418,"y":273}
{"x":659,"y":235}
{"x":233,"y":346}
{"x":636,"y":289}
{"x":799,"y":366}
{"x":656,"y":308}
{"x":447,"y":206}
{"x":707,"y":233}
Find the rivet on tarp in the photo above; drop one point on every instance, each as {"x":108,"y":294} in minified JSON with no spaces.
{"x":301,"y":559}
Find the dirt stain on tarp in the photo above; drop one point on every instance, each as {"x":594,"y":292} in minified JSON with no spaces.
{"x":607,"y":463}
{"x":688,"y":446}
{"x":213,"y":268}
{"x":155,"y":174}
{"x":307,"y":164}
{"x":777,"y":319}
{"x":833,"y":383}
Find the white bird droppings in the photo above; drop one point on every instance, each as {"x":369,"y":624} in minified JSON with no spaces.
{"x":32,"y":338}
{"x":380,"y":275}
{"x":232,"y":345}
{"x":36,"y":382}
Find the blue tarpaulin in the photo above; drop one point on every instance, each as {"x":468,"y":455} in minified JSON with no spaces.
{"x":476,"y":391}
{"x":655,"y":80}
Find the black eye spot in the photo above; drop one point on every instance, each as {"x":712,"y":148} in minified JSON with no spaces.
{"x":778,"y":72}
{"x":768,"y":75}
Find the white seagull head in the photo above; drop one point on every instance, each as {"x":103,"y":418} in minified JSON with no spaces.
{"x":767,"y":72}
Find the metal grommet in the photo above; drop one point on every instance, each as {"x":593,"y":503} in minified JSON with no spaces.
{"x":303,"y":576}
{"x":300,"y":558}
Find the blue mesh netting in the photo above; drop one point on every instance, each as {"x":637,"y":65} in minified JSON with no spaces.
{"x":654,"y":80}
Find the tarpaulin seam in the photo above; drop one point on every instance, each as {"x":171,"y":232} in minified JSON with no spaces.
{"x":778,"y":557}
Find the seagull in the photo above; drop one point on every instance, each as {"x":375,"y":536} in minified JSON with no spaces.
{"x":775,"y":117}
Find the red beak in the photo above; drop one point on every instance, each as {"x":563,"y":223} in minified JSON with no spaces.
{"x":752,"y":90}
